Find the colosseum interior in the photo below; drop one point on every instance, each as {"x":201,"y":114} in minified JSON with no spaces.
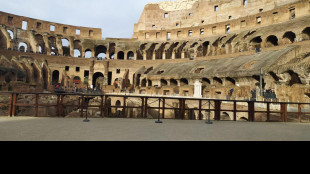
{"x":222,"y":45}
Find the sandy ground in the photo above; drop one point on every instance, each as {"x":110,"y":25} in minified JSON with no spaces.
{"x":108,"y":129}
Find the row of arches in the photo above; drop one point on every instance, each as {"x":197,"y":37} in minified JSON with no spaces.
{"x":156,"y":51}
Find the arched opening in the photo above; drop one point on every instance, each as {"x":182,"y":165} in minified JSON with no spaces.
{"x":306,"y":34}
{"x":294,"y":78}
{"x":53,"y":45}
{"x":3,"y":41}
{"x":88,"y":53}
{"x":206,"y":81}
{"x":183,"y":82}
{"x":120,"y":55}
{"x":138,"y":79}
{"x":163,"y":82}
{"x":289,"y":37}
{"x":271,"y":41}
{"x":22,"y":47}
{"x":11,"y":33}
{"x":40,"y":44}
{"x":77,"y":53}
{"x":256,"y":42}
{"x":143,"y":83}
{"x":205,"y":47}
{"x":95,"y":77}
{"x":112,"y":50}
{"x":55,"y":77}
{"x":45,"y":77}
{"x":130,"y":55}
{"x":118,"y":103}
{"x":173,"y":82}
{"x":149,"y":83}
{"x":230,"y":81}
{"x":217,"y":81}
{"x":77,"y":80}
{"x":65,"y":47}
{"x":100,"y":52}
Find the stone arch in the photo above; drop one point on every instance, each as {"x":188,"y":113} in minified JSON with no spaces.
{"x":294,"y":78}
{"x":305,"y":34}
{"x":77,"y":80}
{"x":88,"y":53}
{"x":65,"y":46}
{"x":3,"y":41}
{"x":118,"y":103}
{"x":230,"y":81}
{"x":55,"y":77}
{"x":23,"y":47}
{"x":256,"y":42}
{"x":77,"y":53}
{"x":143,"y":82}
{"x":130,"y":55}
{"x":173,"y":82}
{"x":271,"y":40}
{"x":120,"y":55}
{"x":95,"y":77}
{"x":206,"y":81}
{"x":53,"y":45}
{"x":101,"y":51}
{"x":289,"y":37}
{"x":11,"y":33}
{"x":218,"y":81}
{"x":149,"y":83}
{"x":163,"y":82}
{"x":40,"y":44}
{"x":184,"y":82}
{"x":205,"y":48}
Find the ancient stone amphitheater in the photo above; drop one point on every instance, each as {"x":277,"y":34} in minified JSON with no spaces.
{"x":223,"y":44}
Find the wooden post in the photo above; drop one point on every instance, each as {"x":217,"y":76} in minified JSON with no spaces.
{"x":124,"y":108}
{"x":14,"y":104}
{"x":299,"y":112}
{"x":283,"y":112}
{"x":145,"y":107}
{"x":200,"y":112}
{"x":10,"y":105}
{"x":164,"y":103}
{"x":142,"y":108}
{"x":36,"y":105}
{"x":57,"y":106}
{"x":268,"y":112}
{"x":217,"y":112}
{"x":61,"y":107}
{"x":82,"y":106}
{"x":101,"y":107}
{"x":235,"y":111}
{"x":251,"y":108}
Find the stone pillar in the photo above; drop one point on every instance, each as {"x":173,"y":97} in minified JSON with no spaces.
{"x":182,"y":55}
{"x":173,"y":55}
{"x":154,"y":56}
{"x":198,"y":89}
{"x":164,"y":55}
{"x":144,"y":55}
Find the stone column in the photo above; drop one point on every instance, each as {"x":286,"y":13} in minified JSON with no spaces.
{"x":164,"y":55}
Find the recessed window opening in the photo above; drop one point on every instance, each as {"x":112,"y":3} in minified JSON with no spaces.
{"x":190,"y":14}
{"x":77,"y":69}
{"x":24,"y":25}
{"x":168,"y":36}
{"x":202,"y":31}
{"x":77,"y":53}
{"x":52,"y":27}
{"x":261,"y":10}
{"x":177,"y":24}
{"x":203,"y":21}
{"x":190,"y":33}
{"x":65,"y":29}
{"x":10,"y":19}
{"x":153,"y":26}
{"x":245,"y":2}
{"x":166,"y":15}
{"x":77,"y":32}
{"x":67,"y":68}
{"x":216,"y":8}
{"x":91,"y":33}
{"x":147,"y":35}
{"x":88,"y":53}
{"x":118,"y":71}
{"x":229,"y":17}
{"x":227,"y":29}
{"x":259,"y":20}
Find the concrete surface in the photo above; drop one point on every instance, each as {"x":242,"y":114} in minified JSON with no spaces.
{"x":108,"y":129}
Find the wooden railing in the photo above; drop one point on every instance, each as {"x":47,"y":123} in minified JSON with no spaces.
{"x":146,"y":103}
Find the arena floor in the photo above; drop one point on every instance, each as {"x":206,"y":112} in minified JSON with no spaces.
{"x":110,"y":129}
